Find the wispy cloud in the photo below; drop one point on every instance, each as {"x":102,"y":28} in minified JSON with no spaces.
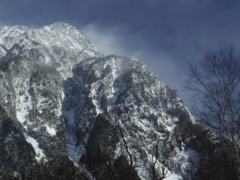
{"x":111,"y":41}
{"x":106,"y":40}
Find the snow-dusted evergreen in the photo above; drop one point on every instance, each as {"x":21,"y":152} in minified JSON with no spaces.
{"x":68,"y":112}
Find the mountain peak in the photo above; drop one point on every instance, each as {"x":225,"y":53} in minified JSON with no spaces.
{"x":60,"y":25}
{"x":64,"y":28}
{"x":59,"y":44}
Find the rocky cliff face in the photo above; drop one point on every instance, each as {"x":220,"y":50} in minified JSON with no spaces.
{"x":68,"y":112}
{"x":33,"y":65}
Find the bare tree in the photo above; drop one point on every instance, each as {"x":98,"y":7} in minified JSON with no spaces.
{"x":215,"y":87}
{"x":162,"y":152}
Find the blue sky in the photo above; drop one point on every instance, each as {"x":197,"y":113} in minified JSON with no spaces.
{"x":164,"y":34}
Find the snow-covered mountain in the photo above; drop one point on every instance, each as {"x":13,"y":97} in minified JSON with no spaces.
{"x":58,"y":45}
{"x":69,"y":112}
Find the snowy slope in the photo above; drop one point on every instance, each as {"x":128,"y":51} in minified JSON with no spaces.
{"x":33,"y":64}
{"x":68,"y":112}
{"x":128,"y":95}
{"x":59,"y":45}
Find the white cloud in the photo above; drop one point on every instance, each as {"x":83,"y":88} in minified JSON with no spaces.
{"x":107,"y":41}
{"x":164,"y":66}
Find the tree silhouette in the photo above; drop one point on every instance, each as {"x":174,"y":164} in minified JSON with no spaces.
{"x":215,"y":87}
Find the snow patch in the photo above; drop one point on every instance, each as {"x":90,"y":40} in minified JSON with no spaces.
{"x":190,"y":160}
{"x":23,"y":107}
{"x":39,"y":152}
{"x":51,"y":130}
{"x":173,"y":177}
{"x":74,"y":152}
{"x":98,"y":106}
{"x":94,"y":94}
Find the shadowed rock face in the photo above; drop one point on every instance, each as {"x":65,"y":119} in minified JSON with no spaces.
{"x":116,"y":108}
{"x":33,"y":143}
{"x":68,"y":112}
